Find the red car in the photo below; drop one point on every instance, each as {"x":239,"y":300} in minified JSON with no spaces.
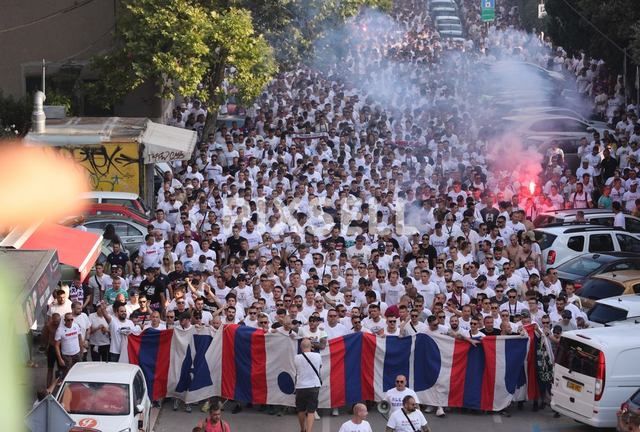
{"x":117,"y":210}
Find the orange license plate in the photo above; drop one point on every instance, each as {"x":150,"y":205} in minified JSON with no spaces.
{"x":573,"y":386}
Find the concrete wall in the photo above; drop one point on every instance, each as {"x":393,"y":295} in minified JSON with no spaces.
{"x":67,"y":38}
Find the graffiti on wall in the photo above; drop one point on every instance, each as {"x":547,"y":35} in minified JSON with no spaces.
{"x":112,"y":167}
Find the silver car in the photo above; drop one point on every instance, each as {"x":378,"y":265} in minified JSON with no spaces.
{"x":131,"y":233}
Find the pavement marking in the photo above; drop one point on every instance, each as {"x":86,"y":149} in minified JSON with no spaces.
{"x":497,"y":418}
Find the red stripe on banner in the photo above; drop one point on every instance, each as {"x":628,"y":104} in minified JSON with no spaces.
{"x":162,"y":365}
{"x":489,"y":375}
{"x":228,"y":361}
{"x":133,"y":348}
{"x":458,"y":373}
{"x":258,"y":367}
{"x":336,"y":350}
{"x":368,"y":366}
{"x":532,"y":378}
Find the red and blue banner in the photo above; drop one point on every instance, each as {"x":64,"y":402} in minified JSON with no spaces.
{"x":249,"y":365}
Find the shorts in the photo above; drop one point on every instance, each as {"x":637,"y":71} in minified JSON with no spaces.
{"x":307,"y":399}
{"x":52,"y":358}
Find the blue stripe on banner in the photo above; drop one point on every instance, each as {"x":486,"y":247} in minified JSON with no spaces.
{"x":396,"y":361}
{"x":148,"y":356}
{"x":473,"y":378}
{"x":353,"y":368}
{"x":242,"y":345}
{"x":426,"y":362}
{"x":515,"y":351}
{"x":201,"y":373}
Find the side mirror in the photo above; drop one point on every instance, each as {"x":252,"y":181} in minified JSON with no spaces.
{"x":139,"y":409}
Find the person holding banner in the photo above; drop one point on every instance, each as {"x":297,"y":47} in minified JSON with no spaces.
{"x":308,"y":382}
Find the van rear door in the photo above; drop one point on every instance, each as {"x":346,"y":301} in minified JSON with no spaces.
{"x":576,"y":371}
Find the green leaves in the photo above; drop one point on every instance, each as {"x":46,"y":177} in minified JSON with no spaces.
{"x":181,"y":44}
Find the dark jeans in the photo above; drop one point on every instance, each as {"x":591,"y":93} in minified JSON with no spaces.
{"x":100,"y":353}
{"x":114,"y":358}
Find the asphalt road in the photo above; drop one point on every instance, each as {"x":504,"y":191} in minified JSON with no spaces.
{"x":252,"y":420}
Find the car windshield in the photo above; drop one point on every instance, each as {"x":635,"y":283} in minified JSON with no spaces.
{"x":581,"y":266}
{"x":95,"y":398}
{"x":636,"y":398}
{"x":603,"y":314}
{"x":597,"y":289}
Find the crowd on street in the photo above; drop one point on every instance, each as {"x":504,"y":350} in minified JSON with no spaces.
{"x":359,"y":196}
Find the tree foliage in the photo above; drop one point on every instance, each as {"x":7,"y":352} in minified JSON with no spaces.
{"x":617,"y":19}
{"x":188,"y":47}
{"x":292,"y":26}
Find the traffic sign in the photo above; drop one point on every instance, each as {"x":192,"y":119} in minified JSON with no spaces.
{"x":488,"y":8}
{"x":49,"y":416}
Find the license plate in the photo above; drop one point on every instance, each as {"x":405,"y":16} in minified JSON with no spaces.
{"x":573,"y":386}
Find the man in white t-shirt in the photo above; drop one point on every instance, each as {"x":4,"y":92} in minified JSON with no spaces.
{"x":357,"y":422}
{"x":396,"y":395}
{"x":408,"y":418}
{"x":68,"y":343}
{"x":308,"y":371}
{"x":316,"y":336}
{"x":119,"y":327}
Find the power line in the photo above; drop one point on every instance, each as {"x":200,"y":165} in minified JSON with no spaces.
{"x":594,"y":26}
{"x":47,"y":17}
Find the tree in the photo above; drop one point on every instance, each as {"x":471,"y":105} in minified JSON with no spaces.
{"x":293,"y":26}
{"x":188,"y":47}
{"x":568,"y":25}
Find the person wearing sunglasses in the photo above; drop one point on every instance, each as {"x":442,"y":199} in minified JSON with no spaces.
{"x":396,"y":394}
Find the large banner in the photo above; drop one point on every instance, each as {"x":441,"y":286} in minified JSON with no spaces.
{"x":249,"y":365}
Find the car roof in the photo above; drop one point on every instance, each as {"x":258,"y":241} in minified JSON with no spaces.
{"x":607,"y":336}
{"x":620,"y":276}
{"x":112,"y":218}
{"x":576,"y":228}
{"x":573,"y":212}
{"x":114,"y":195}
{"x":117,"y":373}
{"x":628,"y":302}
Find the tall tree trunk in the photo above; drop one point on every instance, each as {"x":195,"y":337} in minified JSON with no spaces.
{"x":215,"y":81}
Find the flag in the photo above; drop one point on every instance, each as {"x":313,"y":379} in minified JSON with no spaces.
{"x":151,"y":350}
{"x":249,"y":365}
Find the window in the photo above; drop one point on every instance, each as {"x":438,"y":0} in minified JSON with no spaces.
{"x":576,"y":243}
{"x":543,"y":220}
{"x":632,"y":225}
{"x":603,"y":314}
{"x":578,"y":357}
{"x":95,"y":225}
{"x":600,"y":243}
{"x":628,"y":243}
{"x":95,"y":398}
{"x":581,"y":266}
{"x":139,"y":388}
{"x":636,"y":288}
{"x":606,"y":221}
{"x":545,"y":240}
{"x":133,"y":231}
{"x":596,"y":289}
{"x":124,"y":202}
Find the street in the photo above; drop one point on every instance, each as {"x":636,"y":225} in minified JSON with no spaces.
{"x":251,"y":419}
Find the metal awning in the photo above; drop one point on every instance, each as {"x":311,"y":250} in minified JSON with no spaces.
{"x":78,"y":249}
{"x":164,"y":143}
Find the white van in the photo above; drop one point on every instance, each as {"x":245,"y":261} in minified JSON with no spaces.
{"x":596,"y":370}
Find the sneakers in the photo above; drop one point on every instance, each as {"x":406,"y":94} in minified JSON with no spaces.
{"x":205,"y":406}
{"x":187,"y":408}
{"x":316,"y":415}
{"x":175,"y":404}
{"x":334,"y":412}
{"x":428,"y":409}
{"x":440,"y":412}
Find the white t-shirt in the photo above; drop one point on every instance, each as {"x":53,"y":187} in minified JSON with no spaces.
{"x":336,"y":331}
{"x":68,"y":337}
{"x":115,"y":327}
{"x":305,"y":375}
{"x":399,"y":422}
{"x":350,"y":426}
{"x":395,"y":396}
{"x":98,"y":338}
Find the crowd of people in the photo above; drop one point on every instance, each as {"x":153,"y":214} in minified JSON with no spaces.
{"x":358,"y":196}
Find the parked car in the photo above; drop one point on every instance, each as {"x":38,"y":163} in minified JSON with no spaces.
{"x":581,"y":268}
{"x":555,"y":110}
{"x":595,"y":371}
{"x":130,"y":200}
{"x":106,"y":397}
{"x":607,"y":285}
{"x":117,"y":210}
{"x":615,"y":311}
{"x":435,"y":4}
{"x":549,"y":125}
{"x":593,"y":216}
{"x":131,"y":233}
{"x":562,"y":242}
{"x":629,"y":414}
